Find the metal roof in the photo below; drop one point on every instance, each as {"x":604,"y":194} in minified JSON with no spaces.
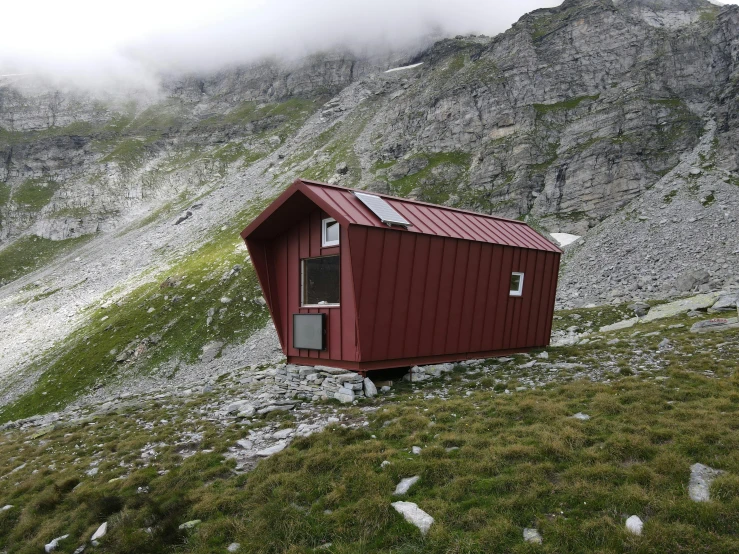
{"x":427,"y":219}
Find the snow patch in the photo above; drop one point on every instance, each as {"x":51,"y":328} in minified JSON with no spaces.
{"x":563,"y":239}
{"x":404,"y":67}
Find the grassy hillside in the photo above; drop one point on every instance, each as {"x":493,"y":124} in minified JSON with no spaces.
{"x":162,"y":320}
{"x":492,"y":462}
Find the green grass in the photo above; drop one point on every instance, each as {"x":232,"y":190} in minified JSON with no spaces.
{"x":569,"y":104}
{"x":491,"y":464}
{"x":27,"y":254}
{"x":34,"y":194}
{"x":431,"y":188}
{"x":169,"y":328}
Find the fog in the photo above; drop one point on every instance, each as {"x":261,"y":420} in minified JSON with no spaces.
{"x":109,"y":43}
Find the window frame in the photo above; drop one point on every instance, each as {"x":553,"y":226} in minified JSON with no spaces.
{"x":302,"y":283}
{"x":517,"y":293}
{"x":325,"y":243}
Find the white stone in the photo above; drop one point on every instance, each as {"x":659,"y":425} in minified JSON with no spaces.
{"x":283,"y":433}
{"x":701,"y":477}
{"x":414,"y":515}
{"x":581,"y":416}
{"x":246,"y":444}
{"x":190,"y":524}
{"x":344,"y":395}
{"x":385,"y":463}
{"x":274,"y":449}
{"x":416,"y":450}
{"x":233,"y":547}
{"x":54,"y":544}
{"x":634,"y":525}
{"x":370,"y":389}
{"x":405,"y":484}
{"x":625,"y":324}
{"x":543,"y":355}
{"x":99,"y":534}
{"x":6,"y":508}
{"x":532,"y":535}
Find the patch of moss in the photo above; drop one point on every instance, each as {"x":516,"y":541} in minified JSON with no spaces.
{"x":569,"y":104}
{"x":34,"y":194}
{"x":27,"y":254}
{"x":667,"y":198}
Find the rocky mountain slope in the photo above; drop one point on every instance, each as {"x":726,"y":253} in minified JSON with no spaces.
{"x":609,"y":119}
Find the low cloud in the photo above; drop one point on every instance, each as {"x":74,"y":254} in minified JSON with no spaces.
{"x":89,"y":42}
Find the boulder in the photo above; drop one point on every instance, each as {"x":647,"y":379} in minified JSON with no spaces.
{"x":344,"y":395}
{"x":716,"y":324}
{"x":370,"y":389}
{"x":625,"y":324}
{"x":699,"y":302}
{"x":190,"y":524}
{"x":640,"y":309}
{"x":691,"y":279}
{"x":414,"y":515}
{"x":726,"y":303}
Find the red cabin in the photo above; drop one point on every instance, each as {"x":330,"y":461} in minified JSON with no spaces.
{"x":366,"y":281}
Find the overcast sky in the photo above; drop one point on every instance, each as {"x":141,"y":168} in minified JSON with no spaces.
{"x":89,"y":40}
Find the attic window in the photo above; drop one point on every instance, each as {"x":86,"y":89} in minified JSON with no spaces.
{"x":516,"y":284}
{"x":321,"y":281}
{"x":329,"y":232}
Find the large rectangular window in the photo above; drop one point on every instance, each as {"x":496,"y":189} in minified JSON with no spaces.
{"x":321,"y":281}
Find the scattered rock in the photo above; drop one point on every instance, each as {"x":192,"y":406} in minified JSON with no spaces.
{"x":665,"y":344}
{"x":701,"y":477}
{"x":625,"y":324}
{"x":405,"y":484}
{"x":53,"y":545}
{"x":414,"y":515}
{"x":717,"y":324}
{"x":210,"y":351}
{"x":691,"y":279}
{"x":190,"y":524}
{"x":701,"y":301}
{"x":532,"y":536}
{"x":640,"y":309}
{"x":342,"y":168}
{"x":634,"y":525}
{"x":272,"y":450}
{"x":99,"y":534}
{"x":370,"y":389}
{"x":344,"y":395}
{"x":726,"y":303}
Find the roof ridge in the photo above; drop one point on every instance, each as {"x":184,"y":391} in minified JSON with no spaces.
{"x":409,"y":201}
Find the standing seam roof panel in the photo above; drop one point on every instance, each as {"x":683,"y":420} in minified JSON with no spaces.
{"x":434,"y":220}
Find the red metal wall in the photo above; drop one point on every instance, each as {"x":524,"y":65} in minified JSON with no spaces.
{"x":409,"y":298}
{"x":423,"y":296}
{"x":283,"y":255}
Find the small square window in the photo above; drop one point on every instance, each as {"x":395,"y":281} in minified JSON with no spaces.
{"x":516,"y":284}
{"x":330,"y":232}
{"x":321,"y":281}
